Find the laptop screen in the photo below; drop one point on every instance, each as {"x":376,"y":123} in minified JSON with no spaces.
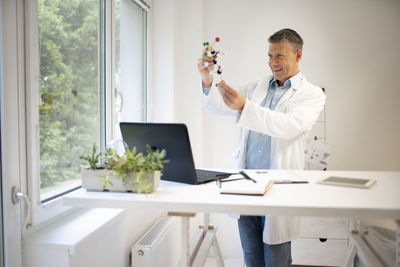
{"x":173,"y":137}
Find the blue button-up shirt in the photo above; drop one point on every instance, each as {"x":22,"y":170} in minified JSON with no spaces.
{"x":258,"y":152}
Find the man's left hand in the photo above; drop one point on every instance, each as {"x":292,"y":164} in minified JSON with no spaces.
{"x":232,"y":98}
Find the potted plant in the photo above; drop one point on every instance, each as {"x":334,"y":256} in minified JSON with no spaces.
{"x":129,"y":172}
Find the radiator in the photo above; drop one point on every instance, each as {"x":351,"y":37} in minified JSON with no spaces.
{"x":160,"y":245}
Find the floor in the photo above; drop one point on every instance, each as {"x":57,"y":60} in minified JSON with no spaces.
{"x":211,"y":262}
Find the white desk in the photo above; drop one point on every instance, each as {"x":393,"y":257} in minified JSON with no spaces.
{"x":380,"y":201}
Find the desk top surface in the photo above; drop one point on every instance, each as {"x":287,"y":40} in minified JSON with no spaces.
{"x":382,"y":200}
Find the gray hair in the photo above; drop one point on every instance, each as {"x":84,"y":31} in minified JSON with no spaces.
{"x":287,"y":35}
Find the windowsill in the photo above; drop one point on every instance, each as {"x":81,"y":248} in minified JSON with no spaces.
{"x":57,"y":202}
{"x":74,"y":228}
{"x":46,"y":214}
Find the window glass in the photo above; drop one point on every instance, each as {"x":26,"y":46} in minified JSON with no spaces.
{"x":130,"y":64}
{"x":69,"y":90}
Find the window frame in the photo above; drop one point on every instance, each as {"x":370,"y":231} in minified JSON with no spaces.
{"x":42,"y":212}
{"x":2,"y":237}
{"x":45,"y":212}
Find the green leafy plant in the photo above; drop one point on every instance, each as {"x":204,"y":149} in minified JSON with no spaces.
{"x":131,"y":164}
{"x":92,"y":158}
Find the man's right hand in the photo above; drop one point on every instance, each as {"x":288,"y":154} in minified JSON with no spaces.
{"x":205,"y":66}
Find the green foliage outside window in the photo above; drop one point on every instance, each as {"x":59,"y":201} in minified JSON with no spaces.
{"x":69,"y":89}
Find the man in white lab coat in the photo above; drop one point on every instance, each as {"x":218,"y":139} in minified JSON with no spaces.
{"x":274,"y":113}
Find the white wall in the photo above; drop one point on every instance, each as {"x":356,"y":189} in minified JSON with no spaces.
{"x":351,"y":49}
{"x":175,"y":49}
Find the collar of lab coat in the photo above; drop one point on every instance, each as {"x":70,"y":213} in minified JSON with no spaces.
{"x":295,"y":81}
{"x":260,"y":92}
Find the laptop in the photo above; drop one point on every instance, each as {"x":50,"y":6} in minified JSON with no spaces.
{"x":174,"y":138}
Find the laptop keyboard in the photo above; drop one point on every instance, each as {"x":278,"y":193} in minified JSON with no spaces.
{"x":206,"y":175}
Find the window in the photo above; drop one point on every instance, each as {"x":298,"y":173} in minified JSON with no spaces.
{"x":69,"y":90}
{"x":130,"y":62}
{"x":80,"y":98}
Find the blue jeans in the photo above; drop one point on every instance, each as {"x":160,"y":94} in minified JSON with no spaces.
{"x":256,"y":252}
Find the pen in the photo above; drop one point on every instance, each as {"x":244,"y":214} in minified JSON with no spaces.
{"x":247,"y":177}
{"x":289,"y":182}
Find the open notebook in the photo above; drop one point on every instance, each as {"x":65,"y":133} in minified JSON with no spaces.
{"x":238,"y":184}
{"x":258,"y":182}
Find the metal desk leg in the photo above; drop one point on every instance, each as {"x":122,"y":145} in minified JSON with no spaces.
{"x":358,"y":245}
{"x":354,"y":229}
{"x":218,"y":254}
{"x":185,"y":241}
{"x":195,"y":253}
{"x":398,"y":244}
{"x":215,"y":245}
{"x":209,"y":240}
{"x":185,"y":224}
{"x":350,"y":255}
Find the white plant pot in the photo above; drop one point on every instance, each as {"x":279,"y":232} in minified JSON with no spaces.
{"x":92,"y":180}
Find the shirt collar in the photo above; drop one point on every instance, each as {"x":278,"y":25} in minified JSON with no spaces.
{"x":292,"y":82}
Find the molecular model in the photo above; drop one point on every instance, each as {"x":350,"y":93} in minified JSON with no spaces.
{"x":212,"y":52}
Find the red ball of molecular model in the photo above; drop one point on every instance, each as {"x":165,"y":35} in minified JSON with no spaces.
{"x":210,"y":51}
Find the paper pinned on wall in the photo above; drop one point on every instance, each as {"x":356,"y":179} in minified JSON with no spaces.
{"x":318,"y":152}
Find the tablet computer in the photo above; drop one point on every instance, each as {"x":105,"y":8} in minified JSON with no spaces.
{"x":347,"y":181}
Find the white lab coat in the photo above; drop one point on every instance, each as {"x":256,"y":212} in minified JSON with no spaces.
{"x":288,"y":124}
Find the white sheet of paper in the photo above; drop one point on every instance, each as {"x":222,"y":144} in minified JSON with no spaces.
{"x":318,"y":152}
{"x":277,"y":176}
